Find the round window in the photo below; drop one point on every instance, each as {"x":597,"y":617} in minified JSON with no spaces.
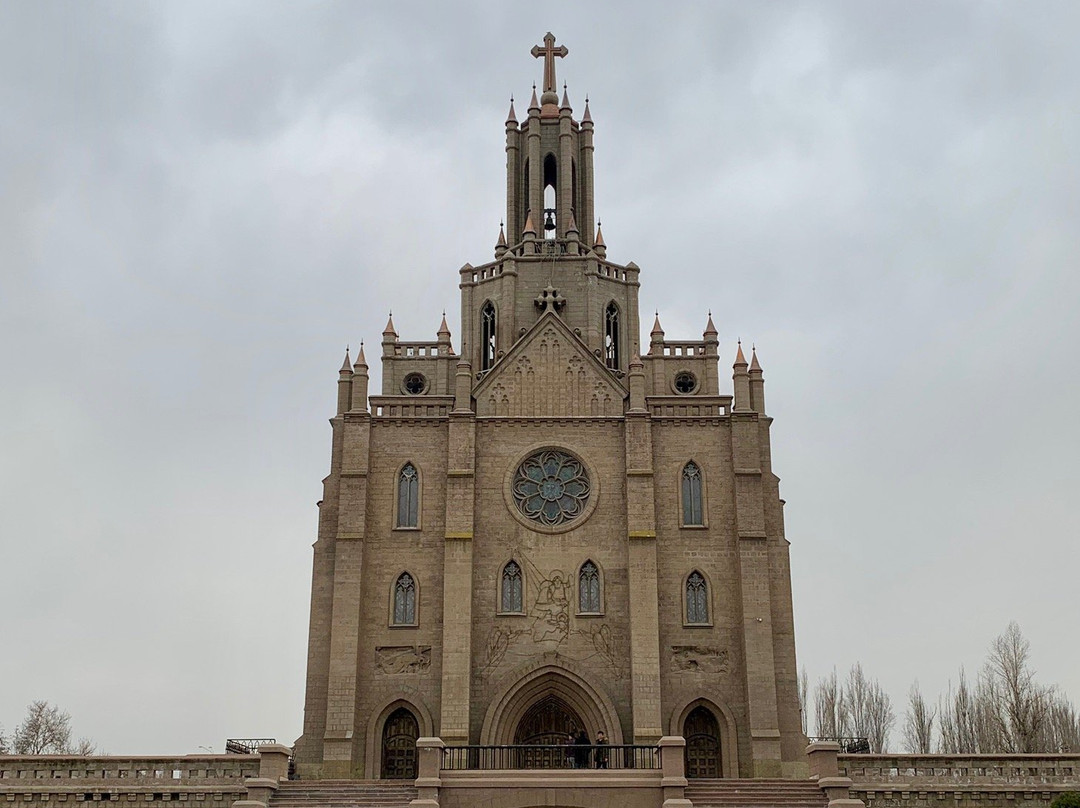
{"x":414,"y":384}
{"x":551,"y":487}
{"x":685,"y":382}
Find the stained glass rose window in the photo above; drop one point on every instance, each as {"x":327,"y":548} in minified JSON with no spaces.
{"x":551,"y":487}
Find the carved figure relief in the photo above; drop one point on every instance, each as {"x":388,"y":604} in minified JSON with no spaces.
{"x":391,"y":660}
{"x":698,"y":659}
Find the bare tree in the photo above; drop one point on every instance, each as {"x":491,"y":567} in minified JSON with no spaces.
{"x":46,"y":730}
{"x":804,"y":706}
{"x":919,"y":723}
{"x":3,"y":742}
{"x":830,"y":715}
{"x":958,"y":722}
{"x":1018,"y":706}
{"x":868,"y":708}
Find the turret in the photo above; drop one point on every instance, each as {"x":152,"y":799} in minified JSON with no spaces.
{"x":636,"y":377}
{"x":757,"y":384}
{"x":599,"y":246}
{"x":463,"y":387}
{"x":360,"y":382}
{"x":656,"y":338}
{"x":500,"y":245}
{"x":389,"y":337}
{"x":443,"y":334}
{"x":742,"y":383}
{"x":344,"y":385}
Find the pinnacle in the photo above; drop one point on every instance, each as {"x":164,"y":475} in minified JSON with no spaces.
{"x":753,"y":359}
{"x":710,"y":329}
{"x":511,"y":116}
{"x":656,"y":328}
{"x":572,"y":228}
{"x":534,"y":103}
{"x":739,"y":358}
{"x":443,"y":327}
{"x":586,"y":118}
{"x":565,"y":99}
{"x":390,"y":326}
{"x":599,"y":241}
{"x":529,"y":226}
{"x":502,"y":237}
{"x":346,"y":366}
{"x":361,"y":360}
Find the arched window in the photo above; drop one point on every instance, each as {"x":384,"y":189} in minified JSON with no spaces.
{"x":487,"y":336}
{"x":408,"y":497}
{"x":511,"y":600}
{"x":697,"y":599}
{"x":692,"y":513}
{"x":611,"y":336}
{"x":405,"y":600}
{"x":589,"y":588}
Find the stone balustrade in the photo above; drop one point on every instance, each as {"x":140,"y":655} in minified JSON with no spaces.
{"x":135,"y":771}
{"x":1031,"y":770}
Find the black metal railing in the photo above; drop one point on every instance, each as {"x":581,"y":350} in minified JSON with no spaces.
{"x":562,"y":756}
{"x":246,"y":746}
{"x":848,"y":745}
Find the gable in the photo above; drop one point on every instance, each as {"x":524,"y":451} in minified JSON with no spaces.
{"x":549,"y":372}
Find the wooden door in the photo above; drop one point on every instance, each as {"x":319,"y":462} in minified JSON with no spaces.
{"x":702,"y":735}
{"x":399,"y":746}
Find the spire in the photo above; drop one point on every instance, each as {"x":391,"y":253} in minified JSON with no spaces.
{"x":346,"y":366}
{"x":530,"y":228}
{"x":753,"y":359}
{"x":656,"y":329}
{"x":389,"y":330}
{"x":361,"y":360}
{"x":739,"y":358}
{"x":444,"y":329}
{"x":586,"y":118}
{"x":599,"y":237}
{"x":710,"y":329}
{"x":565,"y":99}
{"x":534,"y":104}
{"x":511,"y":116}
{"x":572,"y":227}
{"x":502,"y":237}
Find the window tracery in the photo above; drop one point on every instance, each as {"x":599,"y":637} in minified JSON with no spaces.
{"x":405,"y":600}
{"x":511,"y":596}
{"x":487,"y":336}
{"x":408,"y":505}
{"x":551,"y":487}
{"x":692,"y":511}
{"x":697,"y":599}
{"x":611,"y":336}
{"x":589,"y":588}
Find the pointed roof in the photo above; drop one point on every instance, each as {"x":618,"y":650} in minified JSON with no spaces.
{"x":390,"y":326}
{"x":511,"y":116}
{"x":739,"y":358}
{"x":443,"y":327}
{"x":599,"y":240}
{"x":502,"y":237}
{"x":565,"y":99}
{"x":753,"y":359}
{"x":346,"y":366}
{"x":529,"y":226}
{"x":656,"y":329}
{"x":586,"y":118}
{"x":534,"y":103}
{"x":573,"y":224}
{"x":361,"y":360}
{"x":710,"y":329}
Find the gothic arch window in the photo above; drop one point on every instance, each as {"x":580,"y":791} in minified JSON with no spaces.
{"x":696,"y":599}
{"x":611,"y":336}
{"x":487,"y":336}
{"x":511,"y":593}
{"x":404,"y":602}
{"x":408,"y":497}
{"x":399,"y":745}
{"x":702,"y":734}
{"x":551,"y":195}
{"x":589,"y":600}
{"x":693,"y":511}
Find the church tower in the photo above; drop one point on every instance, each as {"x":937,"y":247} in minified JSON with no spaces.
{"x":551,"y":529}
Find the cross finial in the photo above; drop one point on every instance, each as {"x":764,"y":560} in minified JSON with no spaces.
{"x":549,"y":52}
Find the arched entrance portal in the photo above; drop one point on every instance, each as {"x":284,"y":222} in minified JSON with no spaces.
{"x":702,"y":735}
{"x":545,"y":725}
{"x":399,"y":745}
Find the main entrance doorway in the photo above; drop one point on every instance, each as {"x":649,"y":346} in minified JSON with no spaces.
{"x":548,"y":723}
{"x":702,"y":735}
{"x":399,"y":745}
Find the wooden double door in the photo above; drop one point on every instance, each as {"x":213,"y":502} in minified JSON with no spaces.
{"x":702,"y":734}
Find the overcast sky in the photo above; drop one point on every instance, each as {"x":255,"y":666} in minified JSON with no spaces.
{"x":202,"y":203}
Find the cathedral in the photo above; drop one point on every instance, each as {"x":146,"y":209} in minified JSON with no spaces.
{"x":554,"y":529}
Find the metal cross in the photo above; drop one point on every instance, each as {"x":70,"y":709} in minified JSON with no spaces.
{"x":549,"y":52}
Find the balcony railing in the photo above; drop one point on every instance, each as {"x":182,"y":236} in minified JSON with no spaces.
{"x":563,"y":756}
{"x":848,"y":745}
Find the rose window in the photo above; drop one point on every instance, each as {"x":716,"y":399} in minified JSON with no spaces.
{"x":551,"y":487}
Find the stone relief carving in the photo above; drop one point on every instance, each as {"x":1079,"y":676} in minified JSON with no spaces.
{"x":546,"y":628}
{"x":391,"y":660}
{"x":698,"y":659}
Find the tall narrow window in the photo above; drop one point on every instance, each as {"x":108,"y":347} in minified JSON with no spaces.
{"x":589,"y":588}
{"x":611,"y":336}
{"x":697,"y":598}
{"x":405,"y":600}
{"x":691,"y":495}
{"x":408,"y":509}
{"x":511,"y":589}
{"x":487,"y":336}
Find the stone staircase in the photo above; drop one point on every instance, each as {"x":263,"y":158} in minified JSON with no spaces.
{"x":344,"y":794}
{"x":755,"y":794}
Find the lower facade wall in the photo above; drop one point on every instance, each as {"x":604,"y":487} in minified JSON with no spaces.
{"x":628,"y":789}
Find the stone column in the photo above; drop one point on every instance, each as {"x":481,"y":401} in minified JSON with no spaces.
{"x":273,"y":768}
{"x":673,"y":764}
{"x":641,"y":577}
{"x":429,"y":764}
{"x":825,"y":769}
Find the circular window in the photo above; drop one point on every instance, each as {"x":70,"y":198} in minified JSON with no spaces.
{"x":414,"y":384}
{"x":551,"y":488}
{"x":685,"y":382}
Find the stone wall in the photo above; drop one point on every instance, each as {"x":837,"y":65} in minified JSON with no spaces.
{"x":203,"y":781}
{"x":960,"y":781}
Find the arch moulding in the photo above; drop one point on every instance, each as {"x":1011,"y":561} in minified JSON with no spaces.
{"x":520,"y":689}
{"x":725,"y":719}
{"x":412,"y":701}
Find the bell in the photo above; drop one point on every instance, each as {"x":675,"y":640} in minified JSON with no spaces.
{"x":549,"y":219}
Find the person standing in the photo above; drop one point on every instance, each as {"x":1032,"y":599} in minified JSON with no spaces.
{"x":581,"y":750}
{"x":601,"y":752}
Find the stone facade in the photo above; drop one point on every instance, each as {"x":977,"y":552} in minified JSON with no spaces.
{"x":674,"y":513}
